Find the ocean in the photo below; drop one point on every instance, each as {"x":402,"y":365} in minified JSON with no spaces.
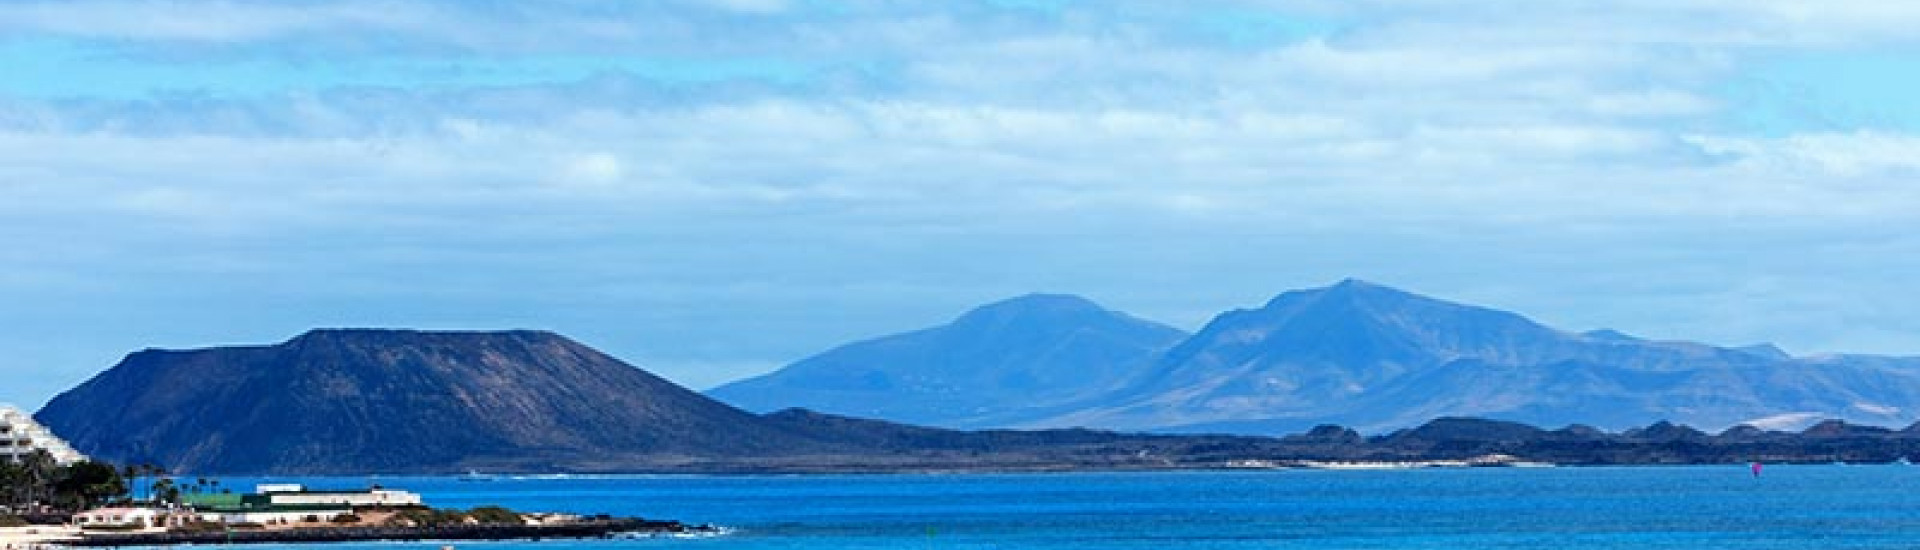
{"x":1719,"y":507}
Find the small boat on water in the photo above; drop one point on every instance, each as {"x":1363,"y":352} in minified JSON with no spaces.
{"x":475,"y":475}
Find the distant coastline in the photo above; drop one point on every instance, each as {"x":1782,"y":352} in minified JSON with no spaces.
{"x":1446,"y":442}
{"x":586,"y":529}
{"x":350,"y":402}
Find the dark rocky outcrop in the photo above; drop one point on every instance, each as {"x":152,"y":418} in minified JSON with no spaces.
{"x":1665,"y":431}
{"x":1839,"y":428}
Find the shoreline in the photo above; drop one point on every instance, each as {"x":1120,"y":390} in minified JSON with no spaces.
{"x":586,"y":529}
{"x":1232,"y":465}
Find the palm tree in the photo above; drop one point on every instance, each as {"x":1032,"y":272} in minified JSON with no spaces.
{"x":135,"y":473}
{"x":86,"y":483}
{"x":13,"y":484}
{"x":40,"y":468}
{"x":131,"y":473}
{"x":154,"y":470}
{"x":165,"y":490}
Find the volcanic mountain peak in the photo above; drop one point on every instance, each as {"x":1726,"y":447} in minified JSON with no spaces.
{"x":365,"y":400}
{"x":1019,"y":354}
{"x":1036,"y":306}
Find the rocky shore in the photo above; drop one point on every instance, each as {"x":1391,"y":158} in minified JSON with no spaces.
{"x":584,"y":529}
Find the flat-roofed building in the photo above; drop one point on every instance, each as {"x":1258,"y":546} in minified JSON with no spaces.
{"x":293,"y":504}
{"x":258,"y":509}
{"x":289,"y":494}
{"x":130,"y":517}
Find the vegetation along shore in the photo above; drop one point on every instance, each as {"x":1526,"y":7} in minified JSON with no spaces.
{"x":88,"y":503}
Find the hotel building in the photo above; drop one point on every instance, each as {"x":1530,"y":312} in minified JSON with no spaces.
{"x":20,"y":436}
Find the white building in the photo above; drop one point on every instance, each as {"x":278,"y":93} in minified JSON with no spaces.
{"x":281,"y":515}
{"x":20,"y":436}
{"x":130,"y":517}
{"x":298,"y":495}
{"x":292,"y":504}
{"x":158,"y":519}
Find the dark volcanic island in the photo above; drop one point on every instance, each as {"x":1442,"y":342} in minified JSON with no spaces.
{"x":397,"y":401}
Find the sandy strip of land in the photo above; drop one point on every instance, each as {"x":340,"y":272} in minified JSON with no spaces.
{"x":17,"y":538}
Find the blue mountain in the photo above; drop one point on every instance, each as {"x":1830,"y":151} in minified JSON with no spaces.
{"x":1003,"y":363}
{"x":1377,"y":358}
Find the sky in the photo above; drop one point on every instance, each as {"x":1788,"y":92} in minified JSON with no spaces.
{"x":710,"y":190}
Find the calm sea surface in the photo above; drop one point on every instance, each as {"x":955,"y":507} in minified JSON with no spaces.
{"x":1721,"y":507}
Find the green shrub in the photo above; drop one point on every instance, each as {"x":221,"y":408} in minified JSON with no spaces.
{"x":429,"y":518}
{"x":494,"y":514}
{"x":11,"y":521}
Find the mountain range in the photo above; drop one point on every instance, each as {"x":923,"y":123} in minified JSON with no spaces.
{"x":357,"y":401}
{"x":1354,"y":353}
{"x":399,"y":401}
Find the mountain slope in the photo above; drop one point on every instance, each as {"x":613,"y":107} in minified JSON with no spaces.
{"x":360,"y":401}
{"x":1378,"y":358}
{"x":399,"y":401}
{"x":1008,"y":360}
{"x":382,"y":401}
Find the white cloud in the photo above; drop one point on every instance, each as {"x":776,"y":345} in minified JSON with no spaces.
{"x":1844,"y":157}
{"x":594,"y":169}
{"x":1655,"y":103}
{"x":754,"y":6}
{"x":951,"y":154}
{"x":216,"y":21}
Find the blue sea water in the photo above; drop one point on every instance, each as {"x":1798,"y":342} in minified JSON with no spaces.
{"x":1721,"y":507}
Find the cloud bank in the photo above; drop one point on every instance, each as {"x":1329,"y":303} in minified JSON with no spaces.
{"x":710,"y":189}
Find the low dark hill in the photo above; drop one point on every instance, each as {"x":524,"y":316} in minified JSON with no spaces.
{"x":397,"y":401}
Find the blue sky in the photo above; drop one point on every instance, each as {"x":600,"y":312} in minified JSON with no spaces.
{"x":712,"y":189}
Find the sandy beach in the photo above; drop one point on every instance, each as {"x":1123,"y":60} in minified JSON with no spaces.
{"x":38,"y":536}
